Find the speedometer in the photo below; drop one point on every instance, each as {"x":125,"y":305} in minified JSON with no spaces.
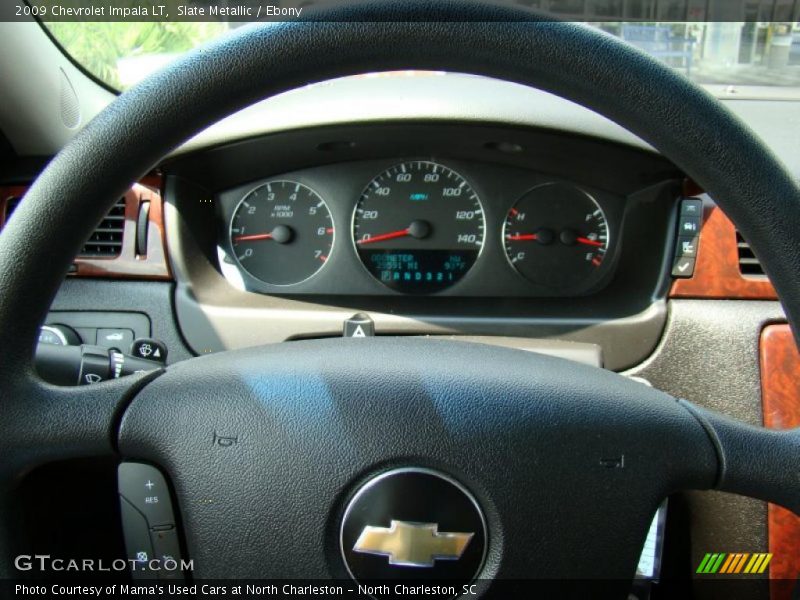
{"x":418,"y":227}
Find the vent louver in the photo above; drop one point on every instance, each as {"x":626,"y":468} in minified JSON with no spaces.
{"x":748,"y":263}
{"x":106,"y":240}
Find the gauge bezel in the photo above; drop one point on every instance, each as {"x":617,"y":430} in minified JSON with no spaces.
{"x":235,"y":211}
{"x":341,"y":183}
{"x":381,"y":284}
{"x":592,"y":278}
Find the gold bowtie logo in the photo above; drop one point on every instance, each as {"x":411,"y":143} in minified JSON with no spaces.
{"x":412,"y":544}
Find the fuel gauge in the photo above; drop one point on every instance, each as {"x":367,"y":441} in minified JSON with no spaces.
{"x":556,"y":235}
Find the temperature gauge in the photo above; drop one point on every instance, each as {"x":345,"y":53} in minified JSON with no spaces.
{"x":556,"y":235}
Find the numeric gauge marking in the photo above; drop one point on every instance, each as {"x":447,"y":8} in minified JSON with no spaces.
{"x":418,"y":227}
{"x":282,"y":232}
{"x":556,"y":235}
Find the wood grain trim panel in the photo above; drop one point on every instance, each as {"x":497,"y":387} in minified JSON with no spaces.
{"x":780,"y":397}
{"x":716,"y":272}
{"x":8,"y":193}
{"x":128,"y":265}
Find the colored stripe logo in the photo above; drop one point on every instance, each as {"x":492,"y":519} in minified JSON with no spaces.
{"x":734,"y":563}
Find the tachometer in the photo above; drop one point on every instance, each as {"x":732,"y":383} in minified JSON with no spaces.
{"x":556,"y":235}
{"x":282,"y":232}
{"x":418,"y":227}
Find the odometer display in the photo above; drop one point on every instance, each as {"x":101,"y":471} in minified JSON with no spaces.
{"x":418,"y":227}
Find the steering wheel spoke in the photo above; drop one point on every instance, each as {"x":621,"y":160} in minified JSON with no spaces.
{"x":753,"y":461}
{"x":44,"y":423}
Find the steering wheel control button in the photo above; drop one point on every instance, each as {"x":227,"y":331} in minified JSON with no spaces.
{"x":413,"y":525}
{"x":146,"y":489}
{"x":167,"y":550}
{"x":359,"y":326}
{"x":149,"y":349}
{"x":117,"y":339}
{"x":137,"y":539}
{"x":151,"y":536}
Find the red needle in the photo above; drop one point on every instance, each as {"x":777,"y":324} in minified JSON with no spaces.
{"x":385,"y":236}
{"x":253,"y":237}
{"x":588,"y":242}
{"x":521,"y":237}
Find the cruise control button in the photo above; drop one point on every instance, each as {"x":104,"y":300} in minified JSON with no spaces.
{"x":137,"y":540}
{"x":145,"y":487}
{"x":167,"y":551}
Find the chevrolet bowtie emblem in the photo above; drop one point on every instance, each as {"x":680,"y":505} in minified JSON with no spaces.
{"x":412,"y":544}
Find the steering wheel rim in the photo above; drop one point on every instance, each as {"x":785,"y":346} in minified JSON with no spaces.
{"x":42,"y":422}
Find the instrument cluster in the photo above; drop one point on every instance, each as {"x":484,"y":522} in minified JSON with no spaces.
{"x":418,"y":227}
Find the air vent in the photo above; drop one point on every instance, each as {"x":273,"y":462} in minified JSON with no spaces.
{"x":748,"y":263}
{"x":106,"y":240}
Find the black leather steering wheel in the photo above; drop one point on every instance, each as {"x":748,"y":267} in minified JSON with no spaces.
{"x":526,"y":434}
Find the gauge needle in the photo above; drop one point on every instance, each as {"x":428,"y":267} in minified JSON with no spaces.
{"x":522,"y":237}
{"x":385,"y":236}
{"x":588,"y":242}
{"x":282,"y":234}
{"x":253,"y":237}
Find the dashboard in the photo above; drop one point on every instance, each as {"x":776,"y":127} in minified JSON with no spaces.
{"x":437,"y":227}
{"x":418,"y":226}
{"x":430,"y":228}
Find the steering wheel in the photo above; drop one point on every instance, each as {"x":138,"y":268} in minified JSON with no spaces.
{"x":526,"y":439}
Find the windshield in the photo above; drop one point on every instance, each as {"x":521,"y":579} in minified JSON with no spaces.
{"x":760,"y":59}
